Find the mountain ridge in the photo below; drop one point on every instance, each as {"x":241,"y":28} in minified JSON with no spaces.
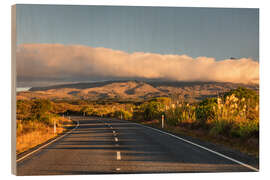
{"x":133,"y":90}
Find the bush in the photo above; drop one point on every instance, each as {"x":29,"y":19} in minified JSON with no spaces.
{"x":152,"y":110}
{"x":246,"y":129}
{"x":221,"y":126}
{"x":206,"y":110}
{"x":23,"y":110}
{"x":242,"y":92}
{"x":40,"y":109}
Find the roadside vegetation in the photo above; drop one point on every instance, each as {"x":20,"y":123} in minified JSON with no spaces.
{"x":234,"y":114}
{"x":35,"y":123}
{"x":231,"y":118}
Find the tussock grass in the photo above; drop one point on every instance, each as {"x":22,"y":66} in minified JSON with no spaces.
{"x":230,"y":116}
{"x":31,"y":134}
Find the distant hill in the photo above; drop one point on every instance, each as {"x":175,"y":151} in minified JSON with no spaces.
{"x":132,"y":90}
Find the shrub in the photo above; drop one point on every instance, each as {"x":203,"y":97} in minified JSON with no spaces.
{"x":40,"y":109}
{"x":152,"y":110}
{"x":206,"y":110}
{"x":242,"y":92}
{"x":246,"y":129}
{"x":221,"y":126}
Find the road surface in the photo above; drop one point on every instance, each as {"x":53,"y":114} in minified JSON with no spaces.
{"x":102,"y":145}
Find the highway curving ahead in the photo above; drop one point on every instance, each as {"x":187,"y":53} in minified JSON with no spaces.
{"x":103,"y":145}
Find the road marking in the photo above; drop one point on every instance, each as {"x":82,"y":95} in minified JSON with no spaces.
{"x":209,"y":150}
{"x":118,"y":169}
{"x":60,"y":137}
{"x":116,"y":139}
{"x":113,"y":132}
{"x":118,"y":155}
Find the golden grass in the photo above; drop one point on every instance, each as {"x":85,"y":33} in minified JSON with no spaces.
{"x":39,"y":134}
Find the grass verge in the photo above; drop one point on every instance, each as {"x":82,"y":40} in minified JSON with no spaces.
{"x":35,"y":133}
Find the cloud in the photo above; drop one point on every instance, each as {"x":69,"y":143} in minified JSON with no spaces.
{"x":57,"y":61}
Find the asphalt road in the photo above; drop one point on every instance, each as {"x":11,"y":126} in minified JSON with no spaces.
{"x":101,"y":145}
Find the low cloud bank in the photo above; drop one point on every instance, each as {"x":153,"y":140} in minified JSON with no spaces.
{"x":57,"y":61}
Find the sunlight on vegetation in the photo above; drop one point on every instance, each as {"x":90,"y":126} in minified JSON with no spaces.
{"x":35,"y":123}
{"x":234,"y":114}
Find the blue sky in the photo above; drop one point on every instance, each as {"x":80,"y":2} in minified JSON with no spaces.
{"x":219,"y":33}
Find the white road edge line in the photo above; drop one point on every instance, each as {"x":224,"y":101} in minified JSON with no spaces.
{"x":48,"y":143}
{"x":118,"y":155}
{"x":212,"y":151}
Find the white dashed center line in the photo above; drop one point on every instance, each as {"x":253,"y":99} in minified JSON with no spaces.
{"x":117,"y":169}
{"x":113,"y":132}
{"x":116,"y":139}
{"x":118,"y":155}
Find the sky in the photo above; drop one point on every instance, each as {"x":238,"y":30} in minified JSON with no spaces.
{"x":216,"y":34}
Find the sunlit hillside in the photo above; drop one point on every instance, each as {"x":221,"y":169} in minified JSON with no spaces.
{"x":132,"y":90}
